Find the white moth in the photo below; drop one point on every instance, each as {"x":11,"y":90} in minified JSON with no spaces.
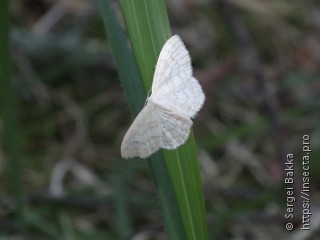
{"x":176,"y":97}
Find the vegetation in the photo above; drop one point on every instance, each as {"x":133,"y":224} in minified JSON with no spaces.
{"x":75,"y":74}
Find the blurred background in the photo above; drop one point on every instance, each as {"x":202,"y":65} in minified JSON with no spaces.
{"x":257,"y":61}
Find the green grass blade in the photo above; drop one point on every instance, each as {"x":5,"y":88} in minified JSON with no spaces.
{"x":121,"y":201}
{"x":123,"y":57}
{"x":36,"y":221}
{"x":148,"y":28}
{"x":8,"y":104}
{"x":136,"y":94}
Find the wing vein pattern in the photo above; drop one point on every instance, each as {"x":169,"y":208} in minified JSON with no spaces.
{"x":165,"y":121}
